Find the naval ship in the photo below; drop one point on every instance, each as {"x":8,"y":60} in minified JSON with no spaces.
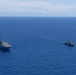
{"x":69,"y":43}
{"x":4,"y":45}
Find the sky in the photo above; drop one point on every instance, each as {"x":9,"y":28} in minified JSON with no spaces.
{"x":50,"y":8}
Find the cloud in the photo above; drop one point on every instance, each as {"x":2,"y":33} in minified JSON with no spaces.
{"x":35,"y":8}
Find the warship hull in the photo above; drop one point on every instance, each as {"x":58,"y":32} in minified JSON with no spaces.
{"x":5,"y":48}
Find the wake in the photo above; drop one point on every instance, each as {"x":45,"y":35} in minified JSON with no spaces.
{"x":50,"y":39}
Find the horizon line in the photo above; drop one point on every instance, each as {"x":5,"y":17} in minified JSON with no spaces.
{"x":36,"y":16}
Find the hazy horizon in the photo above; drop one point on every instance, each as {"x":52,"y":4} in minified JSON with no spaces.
{"x":39,"y":8}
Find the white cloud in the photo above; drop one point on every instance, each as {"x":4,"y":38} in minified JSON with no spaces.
{"x":13,"y":7}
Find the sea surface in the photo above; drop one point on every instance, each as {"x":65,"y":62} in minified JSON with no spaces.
{"x":38,"y":47}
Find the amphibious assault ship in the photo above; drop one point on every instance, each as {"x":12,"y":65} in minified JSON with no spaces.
{"x":4,"y":45}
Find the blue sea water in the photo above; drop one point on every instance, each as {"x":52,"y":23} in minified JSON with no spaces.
{"x":38,"y":47}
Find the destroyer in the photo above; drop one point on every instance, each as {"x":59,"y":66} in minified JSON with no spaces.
{"x":4,"y":45}
{"x":68,"y":43}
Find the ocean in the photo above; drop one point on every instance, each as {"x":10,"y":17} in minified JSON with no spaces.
{"x":37,"y":46}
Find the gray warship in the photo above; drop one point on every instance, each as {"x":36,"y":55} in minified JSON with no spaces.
{"x":69,"y":43}
{"x":4,"y":45}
